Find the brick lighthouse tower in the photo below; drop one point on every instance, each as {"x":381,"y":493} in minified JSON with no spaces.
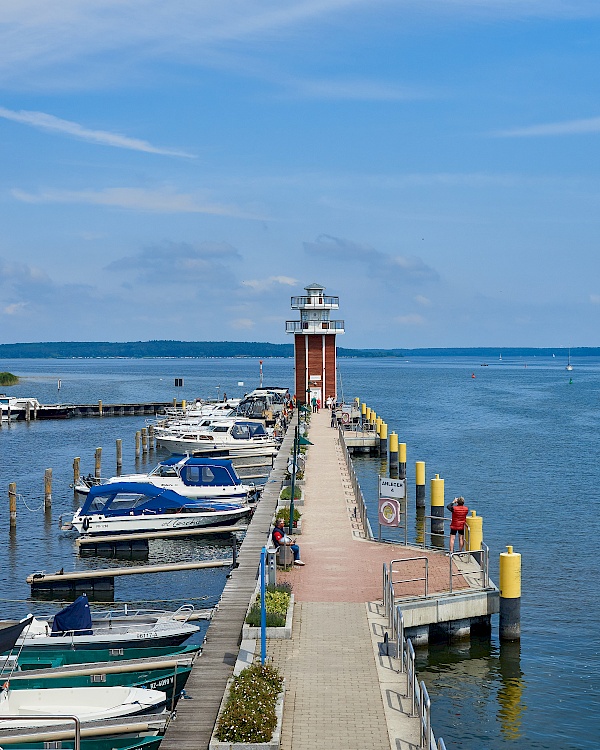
{"x":314,"y":344}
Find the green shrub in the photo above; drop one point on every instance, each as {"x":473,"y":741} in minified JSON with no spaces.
{"x":249,"y":714}
{"x":284,"y":513}
{"x":277,"y":600}
{"x":286,"y":493}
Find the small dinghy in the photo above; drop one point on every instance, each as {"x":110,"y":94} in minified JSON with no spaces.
{"x":87,"y":703}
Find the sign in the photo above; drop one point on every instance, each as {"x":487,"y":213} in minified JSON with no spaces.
{"x":314,"y":377}
{"x":392,"y":488}
{"x":389,"y":512}
{"x":178,"y":382}
{"x":240,"y":382}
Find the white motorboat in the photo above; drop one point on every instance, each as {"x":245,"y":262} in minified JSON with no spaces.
{"x":123,"y":507}
{"x":206,"y":478}
{"x":75,"y":628}
{"x":224,"y":438}
{"x":87,"y":703}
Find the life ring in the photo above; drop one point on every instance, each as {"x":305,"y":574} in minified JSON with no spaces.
{"x":345,"y":417}
{"x":86,"y":523}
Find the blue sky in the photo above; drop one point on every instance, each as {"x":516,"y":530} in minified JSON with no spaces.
{"x":178,"y":170}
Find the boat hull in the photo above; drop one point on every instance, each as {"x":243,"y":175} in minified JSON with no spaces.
{"x":99,"y":524}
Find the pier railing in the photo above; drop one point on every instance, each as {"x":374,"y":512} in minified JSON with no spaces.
{"x":358,"y":494}
{"x":416,"y":692}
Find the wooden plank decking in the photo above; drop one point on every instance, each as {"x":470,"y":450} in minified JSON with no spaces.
{"x":196,"y":718}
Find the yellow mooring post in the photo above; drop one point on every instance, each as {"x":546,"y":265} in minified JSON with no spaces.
{"x":98,"y":463}
{"x":383,"y":439}
{"x":475,"y":525}
{"x":402,"y":462}
{"x":184,"y":404}
{"x":48,"y":489}
{"x":393,"y":455}
{"x":12,"y":504}
{"x":76,"y":474}
{"x":437,"y":511}
{"x":420,"y":484}
{"x":510,"y":595}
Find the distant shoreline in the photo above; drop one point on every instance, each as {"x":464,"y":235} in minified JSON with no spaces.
{"x":256,"y":350}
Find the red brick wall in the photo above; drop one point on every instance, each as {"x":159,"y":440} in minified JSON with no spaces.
{"x":300,"y":365}
{"x":315,"y":363}
{"x":330,"y":366}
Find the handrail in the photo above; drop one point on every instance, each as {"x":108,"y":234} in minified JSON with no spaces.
{"x":358,"y":494}
{"x":424,"y":718}
{"x":50,"y":717}
{"x":411,"y":580}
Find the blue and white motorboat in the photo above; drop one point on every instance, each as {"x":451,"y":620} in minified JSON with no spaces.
{"x":123,"y":507}
{"x":205,"y":478}
{"x":227,"y":438}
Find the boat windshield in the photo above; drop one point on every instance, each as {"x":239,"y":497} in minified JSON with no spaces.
{"x":214,"y":476}
{"x":164,"y":471}
{"x":120,"y":502}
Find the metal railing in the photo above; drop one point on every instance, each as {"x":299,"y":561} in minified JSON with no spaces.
{"x":313,"y":326}
{"x":317,"y":302}
{"x":33,"y":733}
{"x":358,"y":494}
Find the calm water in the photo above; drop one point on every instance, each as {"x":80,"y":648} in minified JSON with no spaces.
{"x":519,"y":442}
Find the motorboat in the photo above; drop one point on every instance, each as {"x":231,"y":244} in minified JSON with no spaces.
{"x":74,"y":627}
{"x":14,"y":408}
{"x":87,"y":703}
{"x":122,"y":507}
{"x":206,"y":478}
{"x":92,"y":743}
{"x":228,"y":439}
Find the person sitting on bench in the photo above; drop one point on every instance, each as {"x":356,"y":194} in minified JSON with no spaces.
{"x":280,"y":539}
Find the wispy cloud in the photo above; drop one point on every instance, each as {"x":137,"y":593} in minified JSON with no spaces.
{"x":242,"y":324}
{"x":392,"y":268}
{"x":43,"y":121}
{"x":263,"y":285}
{"x":412,"y":319}
{"x":165,"y":200}
{"x":15,"y":308}
{"x":568,"y":127}
{"x":358,"y":89}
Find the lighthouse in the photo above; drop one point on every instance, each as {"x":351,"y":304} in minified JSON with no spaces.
{"x":314,"y":344}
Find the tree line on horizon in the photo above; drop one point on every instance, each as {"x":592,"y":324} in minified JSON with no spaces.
{"x":256,"y":349}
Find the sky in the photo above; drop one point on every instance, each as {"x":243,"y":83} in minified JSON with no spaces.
{"x":179,"y":170}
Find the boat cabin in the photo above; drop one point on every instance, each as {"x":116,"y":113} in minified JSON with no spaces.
{"x":198,"y":472}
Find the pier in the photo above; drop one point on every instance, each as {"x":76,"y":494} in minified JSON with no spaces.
{"x":344,"y":685}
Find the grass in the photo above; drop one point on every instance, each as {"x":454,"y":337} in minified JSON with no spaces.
{"x":7,"y":378}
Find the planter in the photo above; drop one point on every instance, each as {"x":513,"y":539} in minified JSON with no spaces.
{"x":298,"y":501}
{"x":275,"y":740}
{"x":288,"y":483}
{"x":283,"y":633}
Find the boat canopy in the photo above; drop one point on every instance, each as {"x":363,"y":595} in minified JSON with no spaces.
{"x":199,"y":472}
{"x":137,"y":498}
{"x":75,"y":617}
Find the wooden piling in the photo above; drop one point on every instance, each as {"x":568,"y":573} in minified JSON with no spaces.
{"x":144,"y":432}
{"x":151,"y":438}
{"x":99,"y":408}
{"x":76,"y":474}
{"x":119,"y":454}
{"x":27,"y":411}
{"x":98,"y":463}
{"x":137,"y":443}
{"x":12,"y":503}
{"x":175,"y":403}
{"x":48,"y":489}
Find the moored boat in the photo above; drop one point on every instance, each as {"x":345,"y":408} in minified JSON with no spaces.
{"x":89,"y":743}
{"x":225,"y":438}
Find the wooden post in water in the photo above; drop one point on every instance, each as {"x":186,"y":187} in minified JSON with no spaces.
{"x":12,"y":503}
{"x":151,"y":439}
{"x":48,"y":489}
{"x":137,"y":444}
{"x":99,"y":408}
{"x":76,"y":462}
{"x":119,"y":455}
{"x":175,"y":403}
{"x":144,"y":432}
{"x":98,"y":463}
{"x":28,"y":411}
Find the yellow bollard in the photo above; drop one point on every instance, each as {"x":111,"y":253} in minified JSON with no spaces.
{"x":183,"y":404}
{"x":420,"y":484}
{"x":437,"y":511}
{"x":383,"y":439}
{"x":378,"y":424}
{"x":363,"y":409}
{"x":475,"y":525}
{"x":402,"y":463}
{"x":510,"y":595}
{"x":393,"y":447}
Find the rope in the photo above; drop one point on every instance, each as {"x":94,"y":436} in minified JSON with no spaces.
{"x":31,"y":510}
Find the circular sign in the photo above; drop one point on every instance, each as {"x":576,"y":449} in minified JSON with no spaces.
{"x":389,"y":511}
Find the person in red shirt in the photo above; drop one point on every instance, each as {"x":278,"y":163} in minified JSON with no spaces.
{"x":457,"y":524}
{"x":280,"y":539}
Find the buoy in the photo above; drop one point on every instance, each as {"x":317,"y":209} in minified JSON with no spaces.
{"x":570,"y":381}
{"x":472,"y":374}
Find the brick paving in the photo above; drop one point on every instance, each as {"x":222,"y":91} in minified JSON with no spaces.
{"x":333,"y":690}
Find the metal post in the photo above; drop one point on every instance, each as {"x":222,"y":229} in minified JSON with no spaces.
{"x":263,"y":607}
{"x":293,"y":487}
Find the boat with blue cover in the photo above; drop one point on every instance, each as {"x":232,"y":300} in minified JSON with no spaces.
{"x":123,"y":507}
{"x":206,"y":478}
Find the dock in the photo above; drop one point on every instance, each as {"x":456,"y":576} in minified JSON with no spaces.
{"x":344,"y":689}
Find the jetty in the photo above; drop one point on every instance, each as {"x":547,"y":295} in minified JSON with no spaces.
{"x":345,"y":686}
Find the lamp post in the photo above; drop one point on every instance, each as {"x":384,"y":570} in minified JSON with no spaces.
{"x":293,"y":487}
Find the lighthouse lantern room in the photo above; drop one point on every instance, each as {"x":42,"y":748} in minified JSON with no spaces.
{"x":314,"y":344}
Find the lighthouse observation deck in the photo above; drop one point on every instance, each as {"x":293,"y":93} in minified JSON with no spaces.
{"x":314,"y":326}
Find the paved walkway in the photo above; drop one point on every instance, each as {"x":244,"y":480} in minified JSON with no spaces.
{"x":340,"y":694}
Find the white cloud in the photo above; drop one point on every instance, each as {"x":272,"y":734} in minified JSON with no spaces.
{"x":421,"y":300}
{"x":165,"y":200}
{"x":43,"y":121}
{"x":262,"y":285}
{"x":413,"y":319}
{"x":242,"y":324}
{"x":15,"y":308}
{"x":568,"y":127}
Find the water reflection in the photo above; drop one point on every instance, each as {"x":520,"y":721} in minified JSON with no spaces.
{"x":510,"y":693}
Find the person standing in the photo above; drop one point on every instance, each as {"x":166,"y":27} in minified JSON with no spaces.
{"x":313,"y":401}
{"x":457,"y":525}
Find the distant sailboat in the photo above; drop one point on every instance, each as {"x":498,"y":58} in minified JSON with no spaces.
{"x":569,"y":365}
{"x":500,"y":357}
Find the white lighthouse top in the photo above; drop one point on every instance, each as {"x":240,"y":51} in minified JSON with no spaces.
{"x":314,"y":312}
